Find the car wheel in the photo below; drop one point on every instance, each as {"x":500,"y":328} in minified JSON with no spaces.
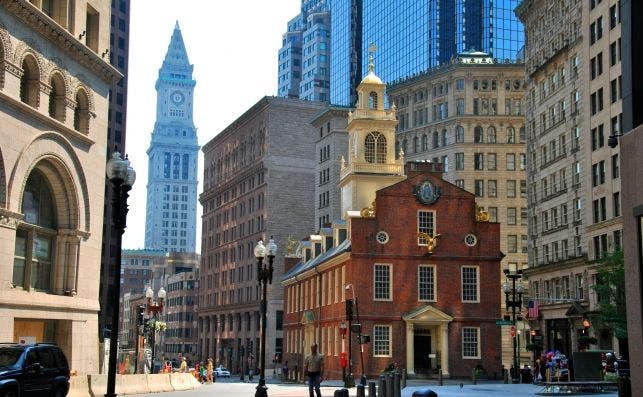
{"x":9,"y":393}
{"x":59,"y":391}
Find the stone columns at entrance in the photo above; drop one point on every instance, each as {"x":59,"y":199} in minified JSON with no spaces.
{"x":444,"y":354}
{"x":410,"y":349}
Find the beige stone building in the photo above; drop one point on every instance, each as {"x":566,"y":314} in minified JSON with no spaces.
{"x":573,"y":84}
{"x":469,"y":115}
{"x":54,"y":84}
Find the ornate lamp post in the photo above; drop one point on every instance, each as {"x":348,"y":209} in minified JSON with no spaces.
{"x":264,"y":276}
{"x":516,"y":292}
{"x":360,"y":338}
{"x":154,"y":308}
{"x":122,"y":176}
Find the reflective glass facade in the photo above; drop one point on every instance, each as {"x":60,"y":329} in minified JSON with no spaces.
{"x":413,"y":36}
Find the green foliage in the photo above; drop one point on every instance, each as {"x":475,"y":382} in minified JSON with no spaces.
{"x":610,"y":290}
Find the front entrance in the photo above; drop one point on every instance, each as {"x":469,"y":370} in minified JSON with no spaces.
{"x":422,"y":351}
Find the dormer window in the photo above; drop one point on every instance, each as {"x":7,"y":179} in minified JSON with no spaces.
{"x":372,"y":100}
{"x":375,"y":148}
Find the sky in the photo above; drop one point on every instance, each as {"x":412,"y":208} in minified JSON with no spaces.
{"x":233,"y":46}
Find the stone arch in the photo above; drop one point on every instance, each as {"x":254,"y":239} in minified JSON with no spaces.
{"x":81,"y":111}
{"x":372,"y":100}
{"x":5,"y":53}
{"x":54,"y":156}
{"x":57,"y":96}
{"x":77,"y":84}
{"x":30,"y":80}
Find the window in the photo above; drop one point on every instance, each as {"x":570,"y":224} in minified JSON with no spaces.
{"x":459,"y":161}
{"x":426,"y":283}
{"x":375,"y":148}
{"x":491,"y":161}
{"x":469,"y":284}
{"x":459,"y":134}
{"x":599,"y":210}
{"x":492,"y":188}
{"x":426,"y":224}
{"x":511,"y":188}
{"x":616,"y":200}
{"x":382,"y":282}
{"x":511,"y":216}
{"x":471,"y":342}
{"x":598,"y":173}
{"x":478,"y":161}
{"x":381,"y":340}
{"x":512,"y":243}
{"x":511,"y":162}
{"x":616,"y":173}
{"x":477,"y":135}
{"x":36,"y":237}
{"x":493,"y":214}
{"x":511,"y":135}
{"x":479,"y":187}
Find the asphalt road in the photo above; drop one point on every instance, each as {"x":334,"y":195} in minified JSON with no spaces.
{"x":232,"y":387}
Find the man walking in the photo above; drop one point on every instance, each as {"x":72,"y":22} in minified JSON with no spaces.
{"x":314,"y":370}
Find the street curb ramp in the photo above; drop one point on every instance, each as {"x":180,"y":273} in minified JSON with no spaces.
{"x":181,"y":381}
{"x":135,"y":384}
{"x":159,"y":383}
{"x":79,"y":386}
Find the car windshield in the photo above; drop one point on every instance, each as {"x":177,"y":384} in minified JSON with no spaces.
{"x":9,"y":356}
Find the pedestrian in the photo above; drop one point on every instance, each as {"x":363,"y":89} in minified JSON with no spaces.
{"x":537,"y":375}
{"x":184,"y":365}
{"x":284,"y":371}
{"x":314,"y":370}
{"x":209,"y":371}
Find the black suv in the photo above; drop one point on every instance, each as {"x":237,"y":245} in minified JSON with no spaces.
{"x":33,"y":370}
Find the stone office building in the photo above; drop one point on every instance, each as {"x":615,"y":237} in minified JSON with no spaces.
{"x":258,"y":182}
{"x":54,"y":87}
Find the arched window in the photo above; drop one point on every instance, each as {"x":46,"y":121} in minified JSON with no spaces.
{"x":375,"y":148}
{"x":35,"y":239}
{"x":459,"y":134}
{"x":491,"y":135}
{"x":81,"y":112}
{"x":57,"y":98}
{"x":477,"y":135}
{"x":416,"y":145}
{"x":444,"y":137}
{"x":436,"y":139}
{"x":372,"y":100}
{"x":511,"y":135}
{"x":523,"y":136}
{"x":425,"y":142}
{"x":30,"y":82}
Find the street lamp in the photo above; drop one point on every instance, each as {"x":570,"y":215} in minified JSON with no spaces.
{"x":122,"y":176}
{"x":516,"y":292}
{"x":154,"y":308}
{"x":360,"y":337}
{"x":264,"y":276}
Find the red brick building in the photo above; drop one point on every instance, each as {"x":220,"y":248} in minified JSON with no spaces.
{"x":414,"y":254}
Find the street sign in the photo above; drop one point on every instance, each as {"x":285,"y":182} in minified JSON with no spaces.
{"x":503,"y":322}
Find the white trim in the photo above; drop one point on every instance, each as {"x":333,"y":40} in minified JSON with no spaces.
{"x":417,"y":225}
{"x":477,"y":357}
{"x":477,"y":284}
{"x":390,"y":340}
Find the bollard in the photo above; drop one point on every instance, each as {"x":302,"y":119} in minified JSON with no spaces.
{"x":389,"y":385}
{"x":397,"y":391}
{"x":404,"y":375}
{"x":381,"y":387}
{"x":341,"y":393}
{"x":505,"y":376}
{"x":360,"y":391}
{"x":473,"y":377}
{"x":440,"y":378}
{"x":372,"y":389}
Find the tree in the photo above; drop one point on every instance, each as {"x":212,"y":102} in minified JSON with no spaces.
{"x":610,"y":293}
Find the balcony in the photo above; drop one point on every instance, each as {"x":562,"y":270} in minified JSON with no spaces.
{"x":372,"y":168}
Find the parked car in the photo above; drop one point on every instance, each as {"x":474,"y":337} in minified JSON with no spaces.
{"x":221,"y":371}
{"x":33,"y":370}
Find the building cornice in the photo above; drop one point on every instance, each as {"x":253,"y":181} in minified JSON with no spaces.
{"x":35,"y":19}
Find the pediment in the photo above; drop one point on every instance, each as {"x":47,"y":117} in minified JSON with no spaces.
{"x":427,"y":313}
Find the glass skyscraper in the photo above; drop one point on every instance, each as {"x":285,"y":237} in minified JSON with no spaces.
{"x":413,"y":36}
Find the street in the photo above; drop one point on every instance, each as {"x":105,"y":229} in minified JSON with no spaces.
{"x":233,"y":387}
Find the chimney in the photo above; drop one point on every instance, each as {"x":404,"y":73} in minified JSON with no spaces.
{"x":414,"y":168}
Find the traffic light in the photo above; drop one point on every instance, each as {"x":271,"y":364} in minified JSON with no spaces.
{"x":349,"y":309}
{"x":140,"y":312}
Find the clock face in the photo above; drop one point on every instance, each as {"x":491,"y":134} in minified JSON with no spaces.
{"x":177,"y":97}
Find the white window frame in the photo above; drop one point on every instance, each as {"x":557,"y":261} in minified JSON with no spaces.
{"x":478,"y":356}
{"x":377,"y":352}
{"x":477,"y":268}
{"x":390,"y":284}
{"x":421,"y":241}
{"x":434,"y":283}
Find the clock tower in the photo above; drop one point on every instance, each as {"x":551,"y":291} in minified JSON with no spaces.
{"x":170,"y":222}
{"x":371,"y":164}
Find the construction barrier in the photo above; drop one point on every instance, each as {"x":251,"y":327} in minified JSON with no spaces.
{"x":181,"y":381}
{"x":79,"y":386}
{"x":135,"y":384}
{"x":158,"y":383}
